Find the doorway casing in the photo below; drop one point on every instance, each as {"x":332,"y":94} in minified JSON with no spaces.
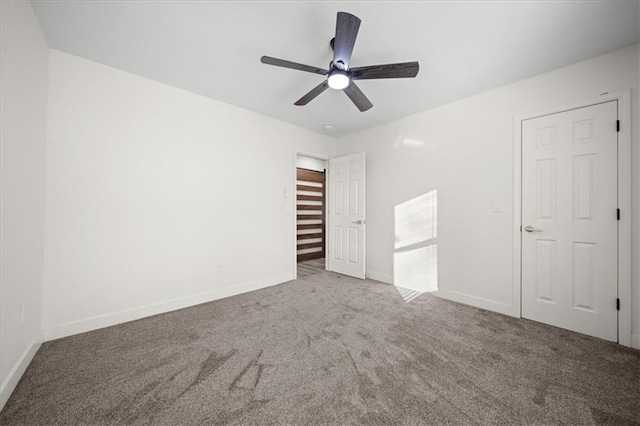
{"x":296,"y":154}
{"x":624,"y":204}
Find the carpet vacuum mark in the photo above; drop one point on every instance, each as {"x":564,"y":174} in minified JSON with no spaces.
{"x":329,"y":349}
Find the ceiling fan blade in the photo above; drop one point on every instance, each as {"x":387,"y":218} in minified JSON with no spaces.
{"x":293,"y":65}
{"x":312,"y":93}
{"x":357,"y":97}
{"x":401,"y":70}
{"x":347,"y":26}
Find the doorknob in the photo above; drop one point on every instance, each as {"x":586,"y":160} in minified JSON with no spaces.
{"x":359,"y":222}
{"x":530,"y":228}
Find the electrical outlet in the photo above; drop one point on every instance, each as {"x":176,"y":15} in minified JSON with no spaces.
{"x":218,"y":267}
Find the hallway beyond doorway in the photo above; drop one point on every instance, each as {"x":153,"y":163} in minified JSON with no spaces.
{"x":308,"y":268}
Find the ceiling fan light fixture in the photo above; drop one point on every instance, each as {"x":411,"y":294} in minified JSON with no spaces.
{"x":338,"y":79}
{"x":339,"y":74}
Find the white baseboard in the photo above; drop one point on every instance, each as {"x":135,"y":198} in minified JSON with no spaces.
{"x":635,"y":341}
{"x":107,"y":320}
{"x":377,"y":276}
{"x":10,"y":383}
{"x":478,"y":302}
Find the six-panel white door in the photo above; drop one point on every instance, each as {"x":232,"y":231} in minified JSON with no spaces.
{"x":569,"y":220}
{"x":347,"y":215}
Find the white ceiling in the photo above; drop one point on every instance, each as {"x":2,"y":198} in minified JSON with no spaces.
{"x":214,"y":48}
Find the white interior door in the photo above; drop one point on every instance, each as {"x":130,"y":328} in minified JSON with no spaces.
{"x":347,"y":215}
{"x":569,"y":220}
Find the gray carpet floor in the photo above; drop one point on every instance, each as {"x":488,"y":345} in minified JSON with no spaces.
{"x":329,"y":350}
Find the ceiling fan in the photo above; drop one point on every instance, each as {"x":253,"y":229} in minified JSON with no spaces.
{"x":339,"y":75}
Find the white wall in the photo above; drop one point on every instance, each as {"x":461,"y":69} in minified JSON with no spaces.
{"x":311,"y":163}
{"x":158,"y":198}
{"x":23,"y":97}
{"x":635,"y":241}
{"x":465,"y":151}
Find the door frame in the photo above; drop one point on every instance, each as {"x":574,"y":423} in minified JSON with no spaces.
{"x":624,"y":204}
{"x":324,"y":158}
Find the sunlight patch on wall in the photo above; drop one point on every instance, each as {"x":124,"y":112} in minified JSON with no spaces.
{"x":415,"y":260}
{"x":416,"y":220}
{"x":417,"y":269}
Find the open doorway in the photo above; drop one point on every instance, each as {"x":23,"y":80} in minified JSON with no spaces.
{"x":310,"y":215}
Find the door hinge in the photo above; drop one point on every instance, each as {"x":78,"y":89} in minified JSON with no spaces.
{"x":617,"y":304}
{"x":618,"y":213}
{"x":520,"y":228}
{"x":617,"y":125}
